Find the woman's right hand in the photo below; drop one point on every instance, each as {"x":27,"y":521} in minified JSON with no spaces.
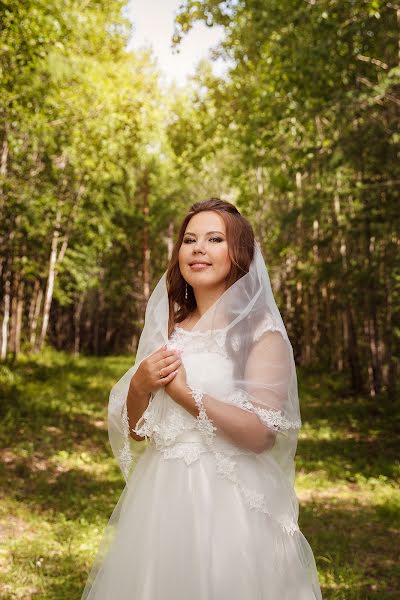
{"x":156,"y":370}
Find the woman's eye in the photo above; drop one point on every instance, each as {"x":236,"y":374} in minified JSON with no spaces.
{"x":213,"y":239}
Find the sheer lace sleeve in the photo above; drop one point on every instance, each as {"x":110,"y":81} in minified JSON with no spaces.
{"x":269,"y":382}
{"x":261,"y":406}
{"x":262,"y":403}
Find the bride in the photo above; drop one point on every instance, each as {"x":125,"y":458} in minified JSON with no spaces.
{"x":209,"y":512}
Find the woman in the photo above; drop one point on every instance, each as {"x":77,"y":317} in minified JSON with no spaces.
{"x":209,"y":512}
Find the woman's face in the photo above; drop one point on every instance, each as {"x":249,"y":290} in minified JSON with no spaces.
{"x":204,"y":261}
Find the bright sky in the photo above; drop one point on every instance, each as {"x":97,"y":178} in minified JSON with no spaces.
{"x":153,"y":22}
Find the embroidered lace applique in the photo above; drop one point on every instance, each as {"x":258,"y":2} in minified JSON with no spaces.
{"x":220,"y":337}
{"x":205,"y":425}
{"x":188,"y":451}
{"x":164,"y":433}
{"x":118,"y":408}
{"x":198,"y":341}
{"x":125,"y":455}
{"x":268,"y":324}
{"x":214,"y":340}
{"x":235,"y":340}
{"x":272,"y":418}
{"x":227,"y":469}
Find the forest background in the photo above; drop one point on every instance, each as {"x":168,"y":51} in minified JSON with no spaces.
{"x":99,"y":160}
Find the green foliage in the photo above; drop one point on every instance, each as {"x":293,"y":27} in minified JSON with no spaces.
{"x":309,"y":114}
{"x":81,"y":123}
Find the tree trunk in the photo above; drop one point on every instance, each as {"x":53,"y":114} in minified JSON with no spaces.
{"x":18,"y":318}
{"x":3,"y":167}
{"x":99,"y":311}
{"x":170,"y":240}
{"x":13,"y":312}
{"x":388,"y":330}
{"x":287,"y":293}
{"x":357,"y":382}
{"x":36,"y":306}
{"x":372,"y":317}
{"x":49,"y":289}
{"x":307,"y":328}
{"x":316,"y":297}
{"x":77,"y":323}
{"x":6,"y":317}
{"x":146,"y":248}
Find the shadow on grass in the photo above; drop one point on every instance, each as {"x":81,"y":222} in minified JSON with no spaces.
{"x":346,"y":459}
{"x":355,"y":548}
{"x":48,"y":408}
{"x":73,"y":493}
{"x":55,"y":448}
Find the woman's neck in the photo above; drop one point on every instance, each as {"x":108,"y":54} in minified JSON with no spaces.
{"x":205,"y":299}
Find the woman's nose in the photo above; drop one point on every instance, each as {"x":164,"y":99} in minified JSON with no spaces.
{"x":198,"y":246}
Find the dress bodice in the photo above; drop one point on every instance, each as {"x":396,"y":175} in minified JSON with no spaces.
{"x":204,"y":359}
{"x":194,"y":340}
{"x":169,"y":425}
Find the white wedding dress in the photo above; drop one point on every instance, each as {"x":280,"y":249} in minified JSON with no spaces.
{"x":188,"y":530}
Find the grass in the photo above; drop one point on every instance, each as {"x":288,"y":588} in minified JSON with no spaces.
{"x":59,"y":481}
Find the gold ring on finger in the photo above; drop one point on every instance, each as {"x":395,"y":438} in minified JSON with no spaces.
{"x":159,"y":373}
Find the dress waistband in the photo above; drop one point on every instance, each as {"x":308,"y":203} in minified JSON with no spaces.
{"x":190,"y":436}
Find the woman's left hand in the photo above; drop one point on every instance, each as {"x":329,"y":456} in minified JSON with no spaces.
{"x":179,"y":391}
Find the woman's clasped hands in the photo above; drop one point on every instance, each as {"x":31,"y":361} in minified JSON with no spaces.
{"x":158,"y":370}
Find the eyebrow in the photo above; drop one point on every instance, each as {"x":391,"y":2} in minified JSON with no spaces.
{"x":208,"y":233}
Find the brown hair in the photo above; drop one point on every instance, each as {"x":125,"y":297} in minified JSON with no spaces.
{"x":240,"y":238}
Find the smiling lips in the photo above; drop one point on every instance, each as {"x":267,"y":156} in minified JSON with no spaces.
{"x":199,"y":265}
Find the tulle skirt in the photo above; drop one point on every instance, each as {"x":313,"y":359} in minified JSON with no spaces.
{"x":181,"y":532}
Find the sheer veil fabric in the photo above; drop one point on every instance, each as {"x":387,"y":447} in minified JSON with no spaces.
{"x":238,"y":353}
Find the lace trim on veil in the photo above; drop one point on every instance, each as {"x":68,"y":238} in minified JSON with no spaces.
{"x":118,"y":413}
{"x":227,"y":468}
{"x":125,"y":454}
{"x":274,"y":419}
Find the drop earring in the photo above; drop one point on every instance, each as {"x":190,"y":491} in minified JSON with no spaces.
{"x":186,"y":293}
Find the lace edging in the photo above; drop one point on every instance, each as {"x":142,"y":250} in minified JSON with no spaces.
{"x":148,"y":418}
{"x":204,"y":423}
{"x":125,"y":455}
{"x":227,"y":469}
{"x":163,"y":432}
{"x":270,"y":417}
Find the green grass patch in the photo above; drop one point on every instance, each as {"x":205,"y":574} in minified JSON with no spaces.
{"x":60,"y":483}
